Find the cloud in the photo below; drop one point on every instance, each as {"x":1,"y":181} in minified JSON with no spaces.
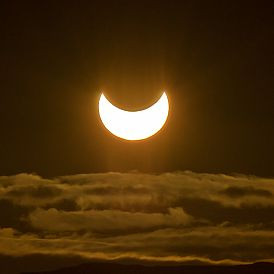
{"x":238,"y":192}
{"x":217,"y":213}
{"x":11,"y":214}
{"x":177,"y":217}
{"x":106,"y":221}
{"x":38,"y":191}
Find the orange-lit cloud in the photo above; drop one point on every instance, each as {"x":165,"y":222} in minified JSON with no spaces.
{"x":175,"y":217}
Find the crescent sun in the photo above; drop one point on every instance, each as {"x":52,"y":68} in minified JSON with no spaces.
{"x":134,"y":125}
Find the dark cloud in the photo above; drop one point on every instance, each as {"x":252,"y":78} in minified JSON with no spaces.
{"x":237,"y":192}
{"x":113,"y":191}
{"x":12,"y":215}
{"x":37,"y":262}
{"x":178,"y":217}
{"x":38,"y":191}
{"x":216,"y":212}
{"x":63,"y":205}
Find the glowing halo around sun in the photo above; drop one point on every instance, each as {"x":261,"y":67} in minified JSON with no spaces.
{"x":134,"y":125}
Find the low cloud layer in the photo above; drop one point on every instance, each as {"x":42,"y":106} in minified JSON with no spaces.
{"x":177,"y":217}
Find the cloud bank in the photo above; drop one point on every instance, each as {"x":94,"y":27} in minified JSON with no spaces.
{"x":174,"y":217}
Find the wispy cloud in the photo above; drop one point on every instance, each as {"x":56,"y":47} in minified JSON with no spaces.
{"x":176,"y":217}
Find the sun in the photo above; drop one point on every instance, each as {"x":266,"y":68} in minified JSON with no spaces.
{"x":134,"y":125}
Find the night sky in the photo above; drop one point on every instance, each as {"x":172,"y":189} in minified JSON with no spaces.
{"x":80,"y":192}
{"x":215,"y":60}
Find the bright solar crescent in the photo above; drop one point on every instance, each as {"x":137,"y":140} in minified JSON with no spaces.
{"x":134,"y":125}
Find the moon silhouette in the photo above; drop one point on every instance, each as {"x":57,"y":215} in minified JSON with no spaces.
{"x":134,"y":125}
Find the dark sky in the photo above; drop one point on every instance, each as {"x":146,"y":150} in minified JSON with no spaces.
{"x":214,"y":59}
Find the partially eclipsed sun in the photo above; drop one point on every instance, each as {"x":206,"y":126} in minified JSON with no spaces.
{"x":134,"y":125}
